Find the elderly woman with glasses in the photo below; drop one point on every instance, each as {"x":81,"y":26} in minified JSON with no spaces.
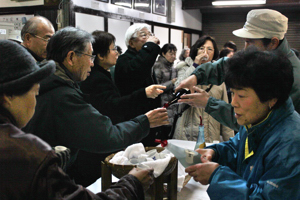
{"x":133,"y":70}
{"x":106,"y":98}
{"x":203,"y":51}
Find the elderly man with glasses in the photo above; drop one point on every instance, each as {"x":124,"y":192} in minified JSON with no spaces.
{"x":134,"y":71}
{"x":64,"y":115}
{"x":35,"y":34}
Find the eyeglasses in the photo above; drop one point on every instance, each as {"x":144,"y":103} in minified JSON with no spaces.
{"x":143,"y":35}
{"x":114,"y":49}
{"x":146,"y":35}
{"x":44,"y":39}
{"x":208,"y":49}
{"x":172,"y":54}
{"x":92,"y":57}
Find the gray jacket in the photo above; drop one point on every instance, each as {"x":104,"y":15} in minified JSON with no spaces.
{"x":165,"y":72}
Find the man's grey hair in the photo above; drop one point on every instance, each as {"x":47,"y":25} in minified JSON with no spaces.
{"x":32,"y":24}
{"x":133,"y":29}
{"x":65,"y":40}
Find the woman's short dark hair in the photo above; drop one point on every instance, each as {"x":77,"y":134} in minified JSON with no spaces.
{"x":119,"y":49}
{"x":268,"y":73}
{"x":65,"y":40}
{"x":231,"y":45}
{"x":102,"y":42}
{"x":167,"y":47}
{"x":224,"y":52}
{"x":200,"y":42}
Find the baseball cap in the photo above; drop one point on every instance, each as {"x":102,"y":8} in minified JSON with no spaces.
{"x":263,"y":23}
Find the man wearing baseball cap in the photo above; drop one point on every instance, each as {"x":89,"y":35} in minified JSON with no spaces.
{"x":265,"y":29}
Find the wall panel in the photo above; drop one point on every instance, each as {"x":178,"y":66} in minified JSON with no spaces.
{"x":88,"y":22}
{"x":162,"y":34}
{"x":118,"y":29}
{"x":177,"y":39}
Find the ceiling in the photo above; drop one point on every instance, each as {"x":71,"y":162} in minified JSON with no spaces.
{"x":205,"y":6}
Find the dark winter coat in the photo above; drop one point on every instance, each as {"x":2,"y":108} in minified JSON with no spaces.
{"x":106,"y":98}
{"x":29,"y":170}
{"x":63,"y":117}
{"x":133,"y":71}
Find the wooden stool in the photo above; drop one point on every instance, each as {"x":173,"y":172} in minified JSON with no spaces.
{"x":169,"y":176}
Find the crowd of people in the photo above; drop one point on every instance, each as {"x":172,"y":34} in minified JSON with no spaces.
{"x":78,"y":90}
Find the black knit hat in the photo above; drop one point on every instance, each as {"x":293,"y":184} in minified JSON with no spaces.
{"x":18,"y":68}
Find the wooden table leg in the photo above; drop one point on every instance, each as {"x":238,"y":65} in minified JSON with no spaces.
{"x":158,"y":189}
{"x":106,"y":176}
{"x":172,"y":184}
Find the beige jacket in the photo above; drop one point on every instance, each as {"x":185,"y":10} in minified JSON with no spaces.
{"x":188,"y":124}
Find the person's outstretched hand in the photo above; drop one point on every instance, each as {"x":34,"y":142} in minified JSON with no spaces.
{"x":153,"y":91}
{"x":157,"y":117}
{"x":206,"y":154}
{"x":201,"y":172}
{"x":145,"y":176}
{"x":188,"y":83}
{"x":198,"y":99}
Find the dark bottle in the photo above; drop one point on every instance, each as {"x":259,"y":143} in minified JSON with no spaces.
{"x":176,"y":96}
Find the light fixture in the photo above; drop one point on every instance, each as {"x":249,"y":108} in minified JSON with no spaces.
{"x":141,"y":4}
{"x":229,"y":3}
{"x":123,"y":4}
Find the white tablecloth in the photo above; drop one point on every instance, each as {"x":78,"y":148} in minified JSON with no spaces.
{"x":192,"y":190}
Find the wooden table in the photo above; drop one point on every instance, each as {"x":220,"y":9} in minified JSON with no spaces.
{"x":191,"y":191}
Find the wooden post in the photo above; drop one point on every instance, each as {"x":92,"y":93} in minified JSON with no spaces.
{"x":106,"y":176}
{"x":172,"y":184}
{"x":158,"y":188}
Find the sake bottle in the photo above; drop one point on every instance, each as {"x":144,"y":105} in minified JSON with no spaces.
{"x":200,"y":144}
{"x":176,"y":97}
